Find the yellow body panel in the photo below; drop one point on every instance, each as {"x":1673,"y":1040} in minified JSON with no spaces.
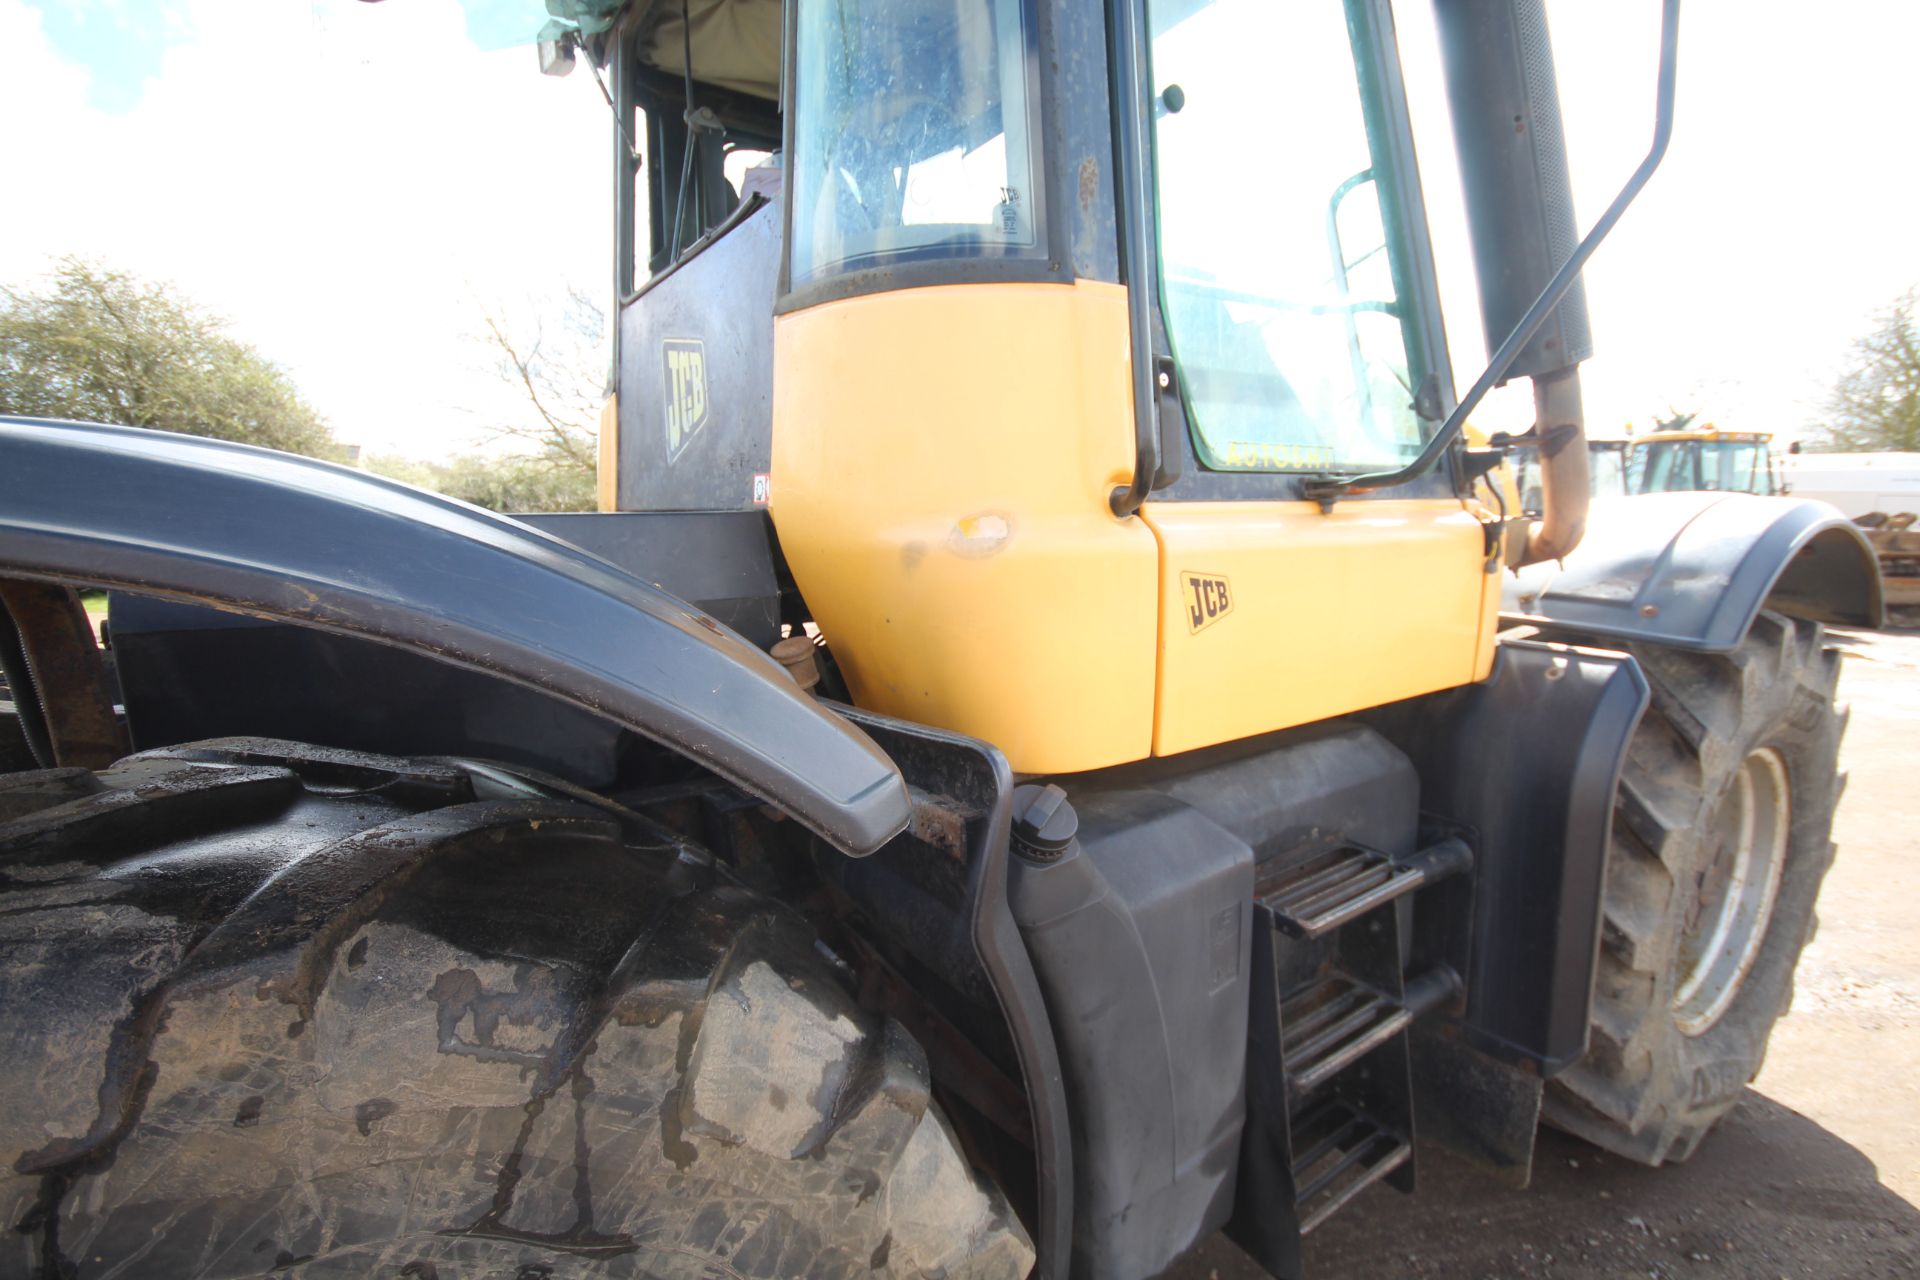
{"x":941,"y":464}
{"x":606,"y":470}
{"x":942,"y":460}
{"x":1329,"y":613}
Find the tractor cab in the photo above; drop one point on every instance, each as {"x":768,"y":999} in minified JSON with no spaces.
{"x":1705,"y":460}
{"x":1607,"y":472}
{"x":1038,"y":366}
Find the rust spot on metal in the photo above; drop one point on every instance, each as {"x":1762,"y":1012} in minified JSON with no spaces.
{"x":68,"y":693}
{"x":939,"y":825}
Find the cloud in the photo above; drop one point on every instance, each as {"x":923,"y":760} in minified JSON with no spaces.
{"x":347,"y":183}
{"x":1781,"y":219}
{"x":121,"y":42}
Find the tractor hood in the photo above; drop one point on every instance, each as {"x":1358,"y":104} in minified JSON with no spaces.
{"x":288,"y":539}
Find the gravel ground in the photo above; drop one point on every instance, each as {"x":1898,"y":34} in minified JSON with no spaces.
{"x":1816,"y":1173}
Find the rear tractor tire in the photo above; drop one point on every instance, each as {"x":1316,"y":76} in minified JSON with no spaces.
{"x":1721,"y":838}
{"x":271,"y":1008}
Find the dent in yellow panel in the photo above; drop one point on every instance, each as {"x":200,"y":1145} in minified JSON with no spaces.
{"x":1314,"y":615}
{"x":942,"y":459}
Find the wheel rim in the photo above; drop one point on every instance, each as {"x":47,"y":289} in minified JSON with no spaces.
{"x":1726,"y":922}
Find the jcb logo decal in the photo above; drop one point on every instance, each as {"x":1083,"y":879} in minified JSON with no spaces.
{"x":686,"y":391}
{"x":1207,"y":599}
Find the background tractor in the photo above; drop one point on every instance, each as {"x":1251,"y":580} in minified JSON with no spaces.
{"x":1705,"y":459}
{"x":1609,"y":474}
{"x":1041,"y":760}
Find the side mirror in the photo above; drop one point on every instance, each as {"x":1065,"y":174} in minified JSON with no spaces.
{"x":556,"y":56}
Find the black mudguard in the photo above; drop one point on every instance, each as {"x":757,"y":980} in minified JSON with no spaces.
{"x":1526,"y":763}
{"x":290,"y":539}
{"x":1691,"y":570}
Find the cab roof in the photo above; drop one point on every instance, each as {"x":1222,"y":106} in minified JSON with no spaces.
{"x":1709,"y":433}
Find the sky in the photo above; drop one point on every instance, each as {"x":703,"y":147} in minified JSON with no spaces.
{"x":351,"y":184}
{"x":348,"y":184}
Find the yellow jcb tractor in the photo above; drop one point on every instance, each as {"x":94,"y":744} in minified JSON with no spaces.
{"x":1054,"y":749}
{"x":1705,"y":459}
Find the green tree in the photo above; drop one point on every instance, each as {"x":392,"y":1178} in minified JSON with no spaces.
{"x":1674,"y":421}
{"x":102,"y":346}
{"x":1876,"y":402}
{"x":510,"y":483}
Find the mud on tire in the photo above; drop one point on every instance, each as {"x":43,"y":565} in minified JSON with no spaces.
{"x":274,"y":1008}
{"x":1680,"y":1025}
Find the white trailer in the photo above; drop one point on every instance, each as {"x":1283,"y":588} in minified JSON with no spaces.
{"x":1857,"y":483}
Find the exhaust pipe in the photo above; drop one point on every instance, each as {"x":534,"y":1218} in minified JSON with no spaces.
{"x":1513,"y":155}
{"x":1565,"y":483}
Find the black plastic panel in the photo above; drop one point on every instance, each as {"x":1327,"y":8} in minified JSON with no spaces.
{"x":1140,"y":938}
{"x":189,"y":673}
{"x":937,"y":897}
{"x":293,"y":540}
{"x":1528,"y":763}
{"x":1285,"y":791}
{"x":718,"y":561}
{"x":1152,"y":1023}
{"x":696,"y":374}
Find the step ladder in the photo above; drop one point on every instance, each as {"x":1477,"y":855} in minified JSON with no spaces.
{"x":1328,"y":1073}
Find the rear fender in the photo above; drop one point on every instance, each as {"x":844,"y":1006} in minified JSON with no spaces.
{"x":1691,"y":570}
{"x":289,"y":539}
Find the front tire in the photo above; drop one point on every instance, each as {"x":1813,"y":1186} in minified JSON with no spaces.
{"x":1721,"y":838}
{"x":269,"y":1007}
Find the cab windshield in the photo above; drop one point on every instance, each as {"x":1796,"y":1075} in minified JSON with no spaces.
{"x":1721,"y":466}
{"x":912,"y":134}
{"x":1278,"y":263}
{"x":1607,"y":470}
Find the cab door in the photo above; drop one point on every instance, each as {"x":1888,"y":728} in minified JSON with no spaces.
{"x":1295,"y":291}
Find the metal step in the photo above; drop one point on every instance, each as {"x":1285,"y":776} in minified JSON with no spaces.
{"x":1338,"y":1153}
{"x":1313,"y":898}
{"x":1330,"y":1026}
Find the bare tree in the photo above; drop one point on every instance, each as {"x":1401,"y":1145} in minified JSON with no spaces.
{"x":1876,"y":403}
{"x":541,"y":441}
{"x":557,"y":362}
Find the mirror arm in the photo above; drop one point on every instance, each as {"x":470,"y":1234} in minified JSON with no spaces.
{"x":1327,"y":489}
